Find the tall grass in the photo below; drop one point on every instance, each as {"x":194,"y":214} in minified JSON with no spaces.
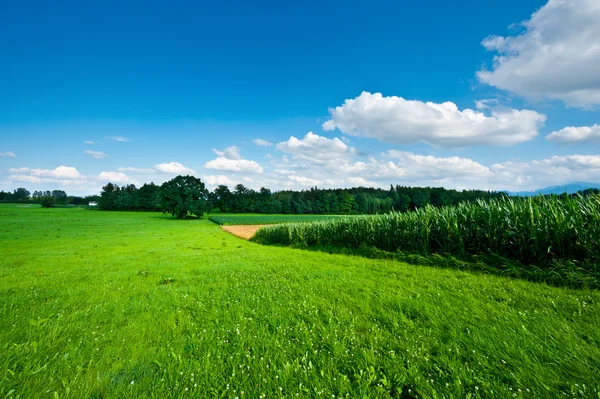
{"x":537,"y":230}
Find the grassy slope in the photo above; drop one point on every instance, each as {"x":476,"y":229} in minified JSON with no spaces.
{"x":84,"y":314}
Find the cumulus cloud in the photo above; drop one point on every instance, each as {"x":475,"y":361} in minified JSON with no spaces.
{"x":232,"y":152}
{"x":63,"y":176}
{"x":230,"y":160}
{"x":118,"y":138}
{"x":174,"y":168}
{"x":400,"y":121}
{"x":96,"y":154}
{"x":555,"y":170}
{"x":429,"y":167}
{"x":574,"y":134}
{"x":234,"y":165}
{"x":8,"y":154}
{"x":61,"y":172}
{"x":398,"y":167}
{"x":407,"y":168}
{"x":556,"y":57}
{"x":304,"y":181}
{"x":317,"y":149}
{"x":262,"y":143}
{"x":217,"y":180}
{"x":114,"y":177}
{"x":361,"y":182}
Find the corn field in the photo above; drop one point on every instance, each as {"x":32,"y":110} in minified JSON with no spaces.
{"x":534,"y":230}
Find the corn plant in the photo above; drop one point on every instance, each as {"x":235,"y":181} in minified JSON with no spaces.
{"x":535,"y":230}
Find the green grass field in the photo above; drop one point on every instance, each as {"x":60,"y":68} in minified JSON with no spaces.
{"x":245,"y":218}
{"x":133,"y":305}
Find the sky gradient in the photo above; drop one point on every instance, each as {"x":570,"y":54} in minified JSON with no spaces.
{"x":465,"y":94}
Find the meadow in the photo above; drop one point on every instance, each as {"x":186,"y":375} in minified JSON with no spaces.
{"x":140,"y":305}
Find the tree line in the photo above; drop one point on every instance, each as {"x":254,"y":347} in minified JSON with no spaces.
{"x":185,"y":195}
{"x":55,"y":197}
{"x":241,"y":199}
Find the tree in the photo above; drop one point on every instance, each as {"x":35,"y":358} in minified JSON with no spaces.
{"x":108,"y":197}
{"x":420,"y":199}
{"x":346,"y":202}
{"x":183,"y":195}
{"x":59,"y":196}
{"x":21,"y":195}
{"x":47,"y":202}
{"x":148,"y":197}
{"x":223,"y":198}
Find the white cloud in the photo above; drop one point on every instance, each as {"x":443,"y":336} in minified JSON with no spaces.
{"x":360,"y":182}
{"x":574,"y":134}
{"x":136,"y":170}
{"x":317,"y":149}
{"x":234,"y":165}
{"x":61,"y":172}
{"x":262,"y":143}
{"x":399,"y":121}
{"x":49,"y":181}
{"x":407,"y":168}
{"x":113,"y":177}
{"x":19,"y":170}
{"x":232,"y":152}
{"x":305,"y":181}
{"x":428,"y":167}
{"x":216,"y":180}
{"x":89,"y":142}
{"x":8,"y":154}
{"x":230,"y":160}
{"x":174,"y":168}
{"x":64,"y":177}
{"x":118,"y":138}
{"x":556,"y":57}
{"x":556,"y":170}
{"x":96,"y":154}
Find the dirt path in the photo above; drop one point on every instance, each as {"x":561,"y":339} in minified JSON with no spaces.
{"x":243,"y":231}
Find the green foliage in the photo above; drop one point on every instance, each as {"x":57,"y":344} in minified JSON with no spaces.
{"x":184,"y":195}
{"x":132,"y":305}
{"x":20,"y":195}
{"x":540,"y":230}
{"x":47,"y":202}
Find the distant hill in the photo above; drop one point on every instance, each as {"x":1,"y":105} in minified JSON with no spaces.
{"x":570,"y":188}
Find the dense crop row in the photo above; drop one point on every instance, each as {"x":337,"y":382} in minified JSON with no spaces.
{"x":531,"y":231}
{"x":231,"y":220}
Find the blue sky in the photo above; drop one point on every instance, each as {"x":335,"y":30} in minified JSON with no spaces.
{"x":458,"y":94}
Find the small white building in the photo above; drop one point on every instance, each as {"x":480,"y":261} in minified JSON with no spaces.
{"x":92,"y":203}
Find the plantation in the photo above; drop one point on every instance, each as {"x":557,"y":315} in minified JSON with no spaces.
{"x":557,"y":238}
{"x":243,"y":219}
{"x":123,"y":304}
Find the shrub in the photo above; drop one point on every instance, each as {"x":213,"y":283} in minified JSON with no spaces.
{"x":47,"y":202}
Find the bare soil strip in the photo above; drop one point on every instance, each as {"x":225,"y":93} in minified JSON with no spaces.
{"x":244,"y":231}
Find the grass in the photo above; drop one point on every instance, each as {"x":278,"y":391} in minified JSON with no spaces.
{"x":249,"y":219}
{"x":116,"y":304}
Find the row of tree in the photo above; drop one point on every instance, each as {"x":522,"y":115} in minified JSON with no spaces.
{"x":185,"y":195}
{"x":22,"y":195}
{"x":317,"y":201}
